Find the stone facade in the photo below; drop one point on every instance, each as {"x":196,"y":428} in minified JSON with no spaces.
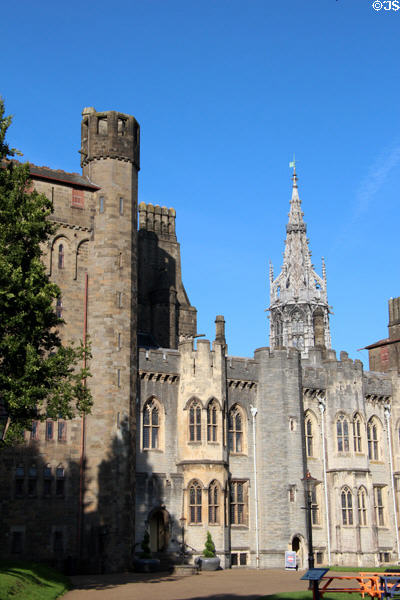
{"x":184,"y":438}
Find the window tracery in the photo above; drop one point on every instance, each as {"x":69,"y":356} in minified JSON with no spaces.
{"x":195,"y":421}
{"x":212,"y":426}
{"x":235,"y":430}
{"x":151,"y":425}
{"x":347,"y":506}
{"x":342,"y":433}
{"x":195,"y":502}
{"x":213,"y":503}
{"x":373,"y":439}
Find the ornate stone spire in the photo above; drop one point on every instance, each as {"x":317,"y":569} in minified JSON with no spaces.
{"x":299,"y":312}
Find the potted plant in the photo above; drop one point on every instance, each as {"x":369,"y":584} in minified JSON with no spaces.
{"x":209,"y":561}
{"x":145,"y":563}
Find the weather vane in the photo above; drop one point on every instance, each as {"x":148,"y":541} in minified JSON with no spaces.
{"x":292,"y":164}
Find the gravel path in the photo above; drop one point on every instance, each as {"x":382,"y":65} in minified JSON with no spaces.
{"x":234,"y":584}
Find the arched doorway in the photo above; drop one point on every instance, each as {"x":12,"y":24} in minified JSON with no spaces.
{"x":298,"y":547}
{"x":159,"y":529}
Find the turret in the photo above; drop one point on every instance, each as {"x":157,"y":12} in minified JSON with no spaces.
{"x":109,"y":134}
{"x":110,"y":157}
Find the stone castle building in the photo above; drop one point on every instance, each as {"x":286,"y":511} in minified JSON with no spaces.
{"x":184,"y":438}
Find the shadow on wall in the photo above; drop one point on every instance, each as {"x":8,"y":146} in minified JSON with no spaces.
{"x":158,"y":318}
{"x":40,"y":509}
{"x":41,"y":517}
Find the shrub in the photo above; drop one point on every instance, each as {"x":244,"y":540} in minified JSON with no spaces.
{"x":209,"y":547}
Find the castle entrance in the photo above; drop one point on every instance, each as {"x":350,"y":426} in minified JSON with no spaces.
{"x":298,"y":547}
{"x":159,"y":529}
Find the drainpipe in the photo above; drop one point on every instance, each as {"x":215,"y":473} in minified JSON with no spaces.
{"x":254,"y":411}
{"x":322,"y":408}
{"x":387,"y":413}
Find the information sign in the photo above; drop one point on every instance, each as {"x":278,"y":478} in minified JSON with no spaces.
{"x":290,"y":559}
{"x":314,"y":574}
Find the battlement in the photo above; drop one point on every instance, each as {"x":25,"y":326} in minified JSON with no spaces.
{"x":321,"y":358}
{"x":242,"y":369}
{"x":160,"y":360}
{"x":159,"y":219}
{"x":109,"y":134}
{"x":377,"y":386}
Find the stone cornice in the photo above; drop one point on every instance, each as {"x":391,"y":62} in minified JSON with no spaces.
{"x":242,"y":384}
{"x":171,"y":378}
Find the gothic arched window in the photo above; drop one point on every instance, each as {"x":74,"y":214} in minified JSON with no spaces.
{"x":309,"y":436}
{"x":195,"y":502}
{"x":235,"y":433}
{"x":151,"y":425}
{"x":347,"y":506}
{"x":195,"y":421}
{"x":357,"y":433}
{"x":213,"y":503}
{"x":342,"y":432}
{"x":212,"y":427}
{"x":61,"y":256}
{"x":373,"y":439}
{"x":362,"y":506}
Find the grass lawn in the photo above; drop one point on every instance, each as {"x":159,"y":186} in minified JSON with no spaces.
{"x":30,"y":581}
{"x":307,"y":595}
{"x":364,"y":569}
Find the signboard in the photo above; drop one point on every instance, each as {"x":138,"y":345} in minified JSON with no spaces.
{"x":314,"y":574}
{"x":290,"y":559}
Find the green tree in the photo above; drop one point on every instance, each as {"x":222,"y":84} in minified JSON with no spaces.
{"x":39,"y":376}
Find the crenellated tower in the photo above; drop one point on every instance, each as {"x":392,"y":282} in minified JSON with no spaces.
{"x":299,"y":311}
{"x":110,"y":157}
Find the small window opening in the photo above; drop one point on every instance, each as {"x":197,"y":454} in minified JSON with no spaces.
{"x":59,"y":308}
{"x":61,"y":256}
{"x":101,"y":204}
{"x":35,"y":430}
{"x":121,"y":206}
{"x":121,"y":126}
{"x":32,"y":481}
{"x":49,"y":430}
{"x":60,"y":481}
{"x":62,"y":431}
{"x":119,"y":377}
{"x":19,"y":480}
{"x":47,"y":478}
{"x":102,"y":126}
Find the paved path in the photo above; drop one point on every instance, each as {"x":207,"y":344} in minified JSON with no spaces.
{"x":232,"y":584}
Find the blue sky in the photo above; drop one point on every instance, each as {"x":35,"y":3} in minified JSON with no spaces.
{"x":225,"y":92}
